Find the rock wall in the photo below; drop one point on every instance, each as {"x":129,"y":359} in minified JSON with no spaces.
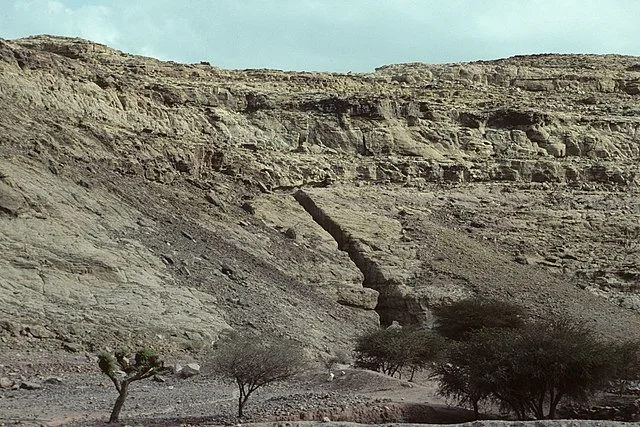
{"x":191,"y":148}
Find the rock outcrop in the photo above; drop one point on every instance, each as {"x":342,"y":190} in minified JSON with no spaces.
{"x":144,"y":201}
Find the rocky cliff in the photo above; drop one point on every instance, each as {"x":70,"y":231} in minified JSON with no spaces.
{"x":144,"y":201}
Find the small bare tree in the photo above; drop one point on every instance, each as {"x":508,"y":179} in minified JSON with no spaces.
{"x":252,"y":363}
{"x":123,"y":371}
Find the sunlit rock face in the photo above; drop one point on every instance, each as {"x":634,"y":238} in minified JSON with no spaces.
{"x":151,"y":201}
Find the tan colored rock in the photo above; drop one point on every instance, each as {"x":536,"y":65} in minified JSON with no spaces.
{"x":107,"y":159}
{"x":557,"y":149}
{"x":355,"y":296}
{"x":40,"y":332}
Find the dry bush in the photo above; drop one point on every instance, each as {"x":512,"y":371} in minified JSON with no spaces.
{"x":252,"y":363}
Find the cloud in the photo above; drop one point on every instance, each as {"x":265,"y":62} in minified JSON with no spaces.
{"x":28,"y":17}
{"x":339,"y":35}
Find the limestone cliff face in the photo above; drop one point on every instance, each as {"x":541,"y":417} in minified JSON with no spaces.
{"x":162,"y":194}
{"x":543,"y":118}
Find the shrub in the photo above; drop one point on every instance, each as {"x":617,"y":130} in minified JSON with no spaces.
{"x":459,"y":319}
{"x":529,"y":370}
{"x":145,"y":364}
{"x":391,"y":350}
{"x":253,"y":363}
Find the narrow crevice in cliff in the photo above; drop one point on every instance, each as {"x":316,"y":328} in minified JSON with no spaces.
{"x":393,"y":304}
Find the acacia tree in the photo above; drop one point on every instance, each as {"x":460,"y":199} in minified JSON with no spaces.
{"x":253,"y":363}
{"x":145,"y":364}
{"x":529,"y":370}
{"x":460,"y":319}
{"x":458,"y":382}
{"x":391,"y":350}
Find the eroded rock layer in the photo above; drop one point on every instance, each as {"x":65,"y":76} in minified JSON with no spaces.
{"x":145,"y":201}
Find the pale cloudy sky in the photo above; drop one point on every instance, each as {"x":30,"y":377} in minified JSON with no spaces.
{"x":333,"y":35}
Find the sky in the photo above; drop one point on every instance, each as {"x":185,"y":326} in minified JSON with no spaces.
{"x":333,"y":35}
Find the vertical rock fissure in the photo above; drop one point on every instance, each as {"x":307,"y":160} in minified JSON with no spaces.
{"x":373,"y":276}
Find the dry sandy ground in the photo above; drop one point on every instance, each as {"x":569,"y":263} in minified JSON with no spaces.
{"x":85,"y":397}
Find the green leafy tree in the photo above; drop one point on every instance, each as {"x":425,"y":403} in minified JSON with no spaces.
{"x":391,"y":351}
{"x":529,"y":370}
{"x":123,"y":370}
{"x":253,"y":363}
{"x":461,"y":318}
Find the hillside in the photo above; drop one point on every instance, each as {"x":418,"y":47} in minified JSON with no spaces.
{"x":146,"y":201}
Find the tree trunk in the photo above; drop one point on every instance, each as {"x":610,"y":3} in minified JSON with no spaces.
{"x":115,"y":414}
{"x":552,"y":413}
{"x":242,"y":400}
{"x":476,"y":411}
{"x":553,"y":405}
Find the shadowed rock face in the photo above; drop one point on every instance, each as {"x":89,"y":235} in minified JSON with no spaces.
{"x":182,"y":200}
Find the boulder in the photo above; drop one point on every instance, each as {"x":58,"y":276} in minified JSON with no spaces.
{"x":40,"y":332}
{"x":73,"y":347}
{"x":187,"y":371}
{"x":538,"y":134}
{"x":356,"y":296}
{"x":6,"y":382}
{"x":557,"y":149}
{"x":394,"y":325}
